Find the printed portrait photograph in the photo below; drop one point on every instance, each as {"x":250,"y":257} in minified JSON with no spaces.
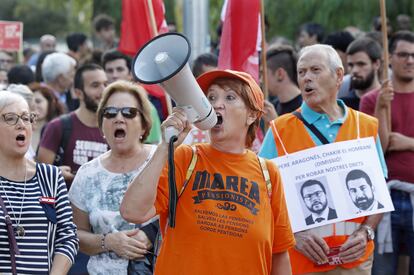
{"x":316,"y":201}
{"x":361,"y":191}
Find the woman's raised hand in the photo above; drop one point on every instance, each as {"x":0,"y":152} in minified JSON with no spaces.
{"x":178,"y":120}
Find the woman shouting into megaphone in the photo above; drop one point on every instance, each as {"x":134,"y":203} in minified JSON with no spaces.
{"x":230,"y":215}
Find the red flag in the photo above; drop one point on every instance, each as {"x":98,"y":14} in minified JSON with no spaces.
{"x":240,"y":39}
{"x":136,"y":27}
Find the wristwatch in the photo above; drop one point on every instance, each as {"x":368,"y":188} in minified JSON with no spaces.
{"x":370,"y":231}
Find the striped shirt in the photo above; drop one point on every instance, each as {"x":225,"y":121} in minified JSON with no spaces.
{"x":34,"y":247}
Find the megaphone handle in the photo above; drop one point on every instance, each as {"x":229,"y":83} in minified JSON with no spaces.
{"x":170,"y":132}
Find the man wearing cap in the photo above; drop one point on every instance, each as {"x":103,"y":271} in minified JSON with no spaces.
{"x":231,"y":215}
{"x":320,"y":73}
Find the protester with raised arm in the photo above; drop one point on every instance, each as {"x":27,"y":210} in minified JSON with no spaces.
{"x":231,"y":216}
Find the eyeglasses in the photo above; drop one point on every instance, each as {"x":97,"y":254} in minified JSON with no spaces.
{"x":404,"y":55}
{"x":12,"y":118}
{"x":127,"y":112}
{"x":317,"y":194}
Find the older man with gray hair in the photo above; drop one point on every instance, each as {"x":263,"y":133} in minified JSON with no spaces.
{"x":323,"y":119}
{"x":58,"y":71}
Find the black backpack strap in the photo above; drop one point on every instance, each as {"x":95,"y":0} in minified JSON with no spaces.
{"x":66,"y":121}
{"x":311,"y":127}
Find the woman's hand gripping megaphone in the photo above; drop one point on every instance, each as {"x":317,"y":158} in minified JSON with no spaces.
{"x":176,"y":124}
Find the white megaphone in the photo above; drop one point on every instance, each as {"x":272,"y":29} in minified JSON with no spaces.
{"x":164,"y":60}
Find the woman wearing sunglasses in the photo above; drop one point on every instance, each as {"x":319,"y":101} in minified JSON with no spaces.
{"x":231,"y":216}
{"x":37,"y":235}
{"x":99,"y":185}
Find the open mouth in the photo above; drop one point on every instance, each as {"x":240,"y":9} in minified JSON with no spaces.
{"x":219,"y":119}
{"x":120,"y":133}
{"x":20,"y":138}
{"x":308,"y":89}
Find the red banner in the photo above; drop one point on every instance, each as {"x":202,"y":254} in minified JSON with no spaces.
{"x":11,"y":35}
{"x":136,"y":27}
{"x":240,"y":39}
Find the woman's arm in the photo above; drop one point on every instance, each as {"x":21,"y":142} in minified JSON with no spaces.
{"x":138,"y":203}
{"x":281,"y":264}
{"x":125,"y":244}
{"x":61,"y":265}
{"x":66,"y":240}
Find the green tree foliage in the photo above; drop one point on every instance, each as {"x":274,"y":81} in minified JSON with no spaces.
{"x":285,"y":16}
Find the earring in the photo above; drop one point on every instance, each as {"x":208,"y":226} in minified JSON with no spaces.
{"x":140,"y":137}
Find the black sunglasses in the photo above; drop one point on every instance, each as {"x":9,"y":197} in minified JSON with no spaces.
{"x":127,"y":112}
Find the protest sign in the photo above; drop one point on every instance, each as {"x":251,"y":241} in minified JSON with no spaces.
{"x":11,"y":35}
{"x":333,"y":182}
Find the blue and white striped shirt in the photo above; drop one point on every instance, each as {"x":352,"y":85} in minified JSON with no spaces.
{"x":35,"y":249}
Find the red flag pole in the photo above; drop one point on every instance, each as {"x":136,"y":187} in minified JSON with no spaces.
{"x":155,"y":33}
{"x":385,"y":53}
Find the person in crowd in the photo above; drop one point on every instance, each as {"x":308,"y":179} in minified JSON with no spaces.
{"x":6,"y":60}
{"x":361,"y":191}
{"x":398,"y":144}
{"x":283,"y":89}
{"x":204,"y":63}
{"x":27,"y":94}
{"x":320,"y":73}
{"x":117,"y":67}
{"x":27,"y":54}
{"x":39,"y":64}
{"x":112,"y":60}
{"x":340,"y":41}
{"x":309,"y":34}
{"x":104,"y":26}
{"x":96,"y":193}
{"x":364,"y":63}
{"x":84,"y":139}
{"x":4,"y":82}
{"x":376,"y":25}
{"x":37,"y":231}
{"x":314,"y":196}
{"x":47,"y":42}
{"x":223,"y":169}
{"x":46,"y":107}
{"x":20,"y":74}
{"x":58,"y":70}
{"x":78,"y":47}
{"x":75,"y":138}
{"x":404,"y":22}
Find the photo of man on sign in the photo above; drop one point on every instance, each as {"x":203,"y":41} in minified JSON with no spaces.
{"x":314,"y":196}
{"x":361,"y":191}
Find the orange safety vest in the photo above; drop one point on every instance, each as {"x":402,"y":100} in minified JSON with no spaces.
{"x":295,"y":138}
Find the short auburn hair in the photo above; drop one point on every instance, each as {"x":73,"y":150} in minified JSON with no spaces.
{"x":138,"y":92}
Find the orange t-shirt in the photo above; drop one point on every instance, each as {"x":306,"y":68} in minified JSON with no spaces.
{"x":225,"y":221}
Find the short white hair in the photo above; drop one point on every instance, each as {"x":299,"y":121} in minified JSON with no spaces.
{"x":334,"y":60}
{"x":23,"y":91}
{"x":7,"y":98}
{"x":46,"y":37}
{"x":56,"y":64}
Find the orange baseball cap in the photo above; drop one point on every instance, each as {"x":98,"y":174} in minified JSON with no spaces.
{"x":207,"y":78}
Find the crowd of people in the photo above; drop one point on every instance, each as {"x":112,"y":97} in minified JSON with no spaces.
{"x":84,"y":179}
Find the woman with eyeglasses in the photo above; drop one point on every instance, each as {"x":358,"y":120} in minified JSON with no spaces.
{"x":230,"y":215}
{"x":99,"y":185}
{"x":37,"y":234}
